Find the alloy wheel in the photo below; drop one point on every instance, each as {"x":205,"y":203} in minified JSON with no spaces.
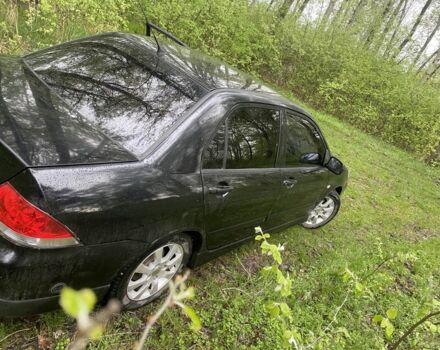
{"x":155,"y":272}
{"x":321,"y":213}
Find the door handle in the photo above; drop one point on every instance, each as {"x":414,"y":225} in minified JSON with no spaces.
{"x":290,"y":182}
{"x":222,"y":189}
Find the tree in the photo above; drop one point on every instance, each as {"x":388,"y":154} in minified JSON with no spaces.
{"x":397,"y":26}
{"x":299,"y":7}
{"x":356,"y":12}
{"x":413,"y":29}
{"x":328,"y":12}
{"x":427,"y":41}
{"x":434,"y":54}
{"x":284,"y":8}
{"x":390,"y":22}
{"x":377,"y":22}
{"x":434,"y":71}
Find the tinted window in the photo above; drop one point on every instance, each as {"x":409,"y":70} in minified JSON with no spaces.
{"x":252,"y":140}
{"x":214,"y":154}
{"x":127,"y":98}
{"x":301,"y":138}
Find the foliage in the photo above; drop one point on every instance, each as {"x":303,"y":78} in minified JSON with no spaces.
{"x":279,"y":310}
{"x":80,"y":304}
{"x":325,"y":67}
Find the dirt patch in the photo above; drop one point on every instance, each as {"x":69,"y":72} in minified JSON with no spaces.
{"x":405,"y":285}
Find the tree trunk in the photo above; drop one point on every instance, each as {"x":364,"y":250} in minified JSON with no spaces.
{"x":434,"y":72}
{"x":328,"y":12}
{"x":389,"y":24}
{"x":300,"y":6}
{"x":427,"y":41}
{"x":396,"y":29}
{"x":342,"y":13}
{"x":284,"y":8}
{"x":435,"y":53}
{"x":377,"y":23}
{"x":413,"y":29}
{"x":270,"y":5}
{"x":355,"y":13}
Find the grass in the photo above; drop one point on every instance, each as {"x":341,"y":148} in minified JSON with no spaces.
{"x":390,"y":208}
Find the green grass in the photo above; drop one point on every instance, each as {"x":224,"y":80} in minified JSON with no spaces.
{"x":391,"y":207}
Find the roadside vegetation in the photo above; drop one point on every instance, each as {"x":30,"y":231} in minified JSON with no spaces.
{"x":365,"y":279}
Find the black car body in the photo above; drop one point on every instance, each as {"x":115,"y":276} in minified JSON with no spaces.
{"x":122,"y":144}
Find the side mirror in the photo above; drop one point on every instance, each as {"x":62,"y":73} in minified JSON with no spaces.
{"x":335,"y":166}
{"x":310,"y":158}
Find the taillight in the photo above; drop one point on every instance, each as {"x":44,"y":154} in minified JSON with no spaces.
{"x":23,"y":223}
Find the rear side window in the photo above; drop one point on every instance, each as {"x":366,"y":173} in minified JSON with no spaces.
{"x":301,"y":138}
{"x":128,"y":99}
{"x":247,"y":139}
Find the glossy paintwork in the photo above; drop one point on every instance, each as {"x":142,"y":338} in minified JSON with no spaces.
{"x":121,"y":207}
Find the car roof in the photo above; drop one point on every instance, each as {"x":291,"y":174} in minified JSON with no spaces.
{"x":197,"y":71}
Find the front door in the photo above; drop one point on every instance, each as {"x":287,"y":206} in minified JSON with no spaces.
{"x":240,"y":179}
{"x":304,"y":181}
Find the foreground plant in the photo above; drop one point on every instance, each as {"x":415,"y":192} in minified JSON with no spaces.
{"x":279,"y":310}
{"x":178,"y":293}
{"x":80,"y":304}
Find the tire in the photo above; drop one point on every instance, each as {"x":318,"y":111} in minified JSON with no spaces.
{"x":149,"y":269}
{"x":324,"y":212}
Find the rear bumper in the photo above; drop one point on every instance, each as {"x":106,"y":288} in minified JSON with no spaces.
{"x":29,"y":278}
{"x":20,"y":308}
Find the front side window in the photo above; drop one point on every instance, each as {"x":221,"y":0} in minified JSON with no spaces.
{"x":302,"y":139}
{"x":251,"y":141}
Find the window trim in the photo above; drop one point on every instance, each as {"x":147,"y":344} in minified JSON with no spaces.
{"x":301,"y":116}
{"x":225,"y":119}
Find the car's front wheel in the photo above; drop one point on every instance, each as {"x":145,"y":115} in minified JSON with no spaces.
{"x":324,"y":211}
{"x":147,"y":278}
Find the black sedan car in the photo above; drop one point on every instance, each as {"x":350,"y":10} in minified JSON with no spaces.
{"x":123,"y":159}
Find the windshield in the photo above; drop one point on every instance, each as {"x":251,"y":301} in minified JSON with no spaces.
{"x":129,"y":99}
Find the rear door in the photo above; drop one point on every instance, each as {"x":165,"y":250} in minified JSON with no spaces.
{"x":239,"y":175}
{"x":304,"y":183}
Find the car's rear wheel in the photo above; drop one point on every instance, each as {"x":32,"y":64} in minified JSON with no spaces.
{"x":324,"y":211}
{"x":147,"y":278}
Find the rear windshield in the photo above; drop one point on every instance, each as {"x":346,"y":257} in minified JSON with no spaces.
{"x":127,"y":98}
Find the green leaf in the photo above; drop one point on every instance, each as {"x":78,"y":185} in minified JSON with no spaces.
{"x":432,"y":327}
{"x":273,"y":309}
{"x":88,"y":298}
{"x":392,"y":313}
{"x":258,"y":237}
{"x":346,"y":276}
{"x":74,"y":302}
{"x":359,"y":287}
{"x":68,"y":302}
{"x":196,"y":324}
{"x":189,"y":293}
{"x":385,"y":322}
{"x":389,"y":330}
{"x":377,"y":318}
{"x":285,"y":309}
